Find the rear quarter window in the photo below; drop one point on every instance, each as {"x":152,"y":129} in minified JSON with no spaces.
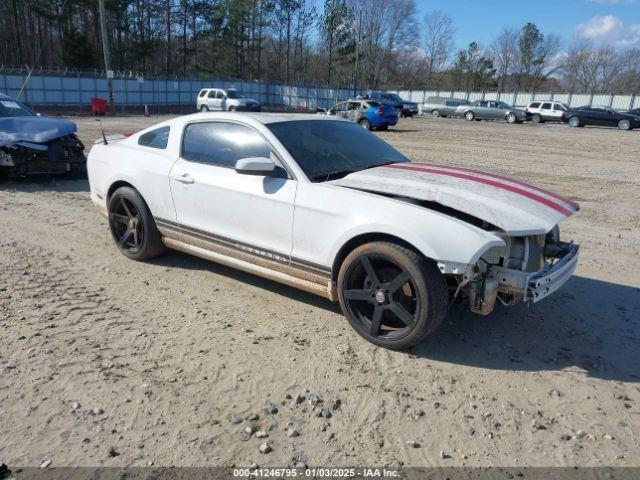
{"x":157,"y":138}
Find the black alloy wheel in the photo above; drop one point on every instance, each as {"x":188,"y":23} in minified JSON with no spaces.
{"x":132,"y":226}
{"x":126,"y":226}
{"x":392,"y":296}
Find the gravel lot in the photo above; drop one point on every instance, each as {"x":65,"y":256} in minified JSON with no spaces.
{"x":105,"y":361}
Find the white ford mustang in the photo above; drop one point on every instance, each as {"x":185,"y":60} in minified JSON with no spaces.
{"x":323,"y":205}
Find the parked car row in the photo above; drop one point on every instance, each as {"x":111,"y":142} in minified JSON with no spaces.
{"x":536,"y":112}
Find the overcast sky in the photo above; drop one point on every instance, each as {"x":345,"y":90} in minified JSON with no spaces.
{"x":615,"y":22}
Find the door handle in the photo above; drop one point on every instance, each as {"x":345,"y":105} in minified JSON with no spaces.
{"x":184,"y":178}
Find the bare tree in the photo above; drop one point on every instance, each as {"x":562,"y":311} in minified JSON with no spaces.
{"x":439,"y":32}
{"x":504,"y":51}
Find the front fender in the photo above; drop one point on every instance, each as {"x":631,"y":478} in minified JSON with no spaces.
{"x":456,"y":243}
{"x":327,"y":217}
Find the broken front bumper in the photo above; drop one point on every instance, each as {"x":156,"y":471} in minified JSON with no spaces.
{"x":544,"y":283}
{"x":508,"y":285}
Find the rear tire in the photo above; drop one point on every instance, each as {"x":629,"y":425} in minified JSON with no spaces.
{"x":575,"y":122}
{"x":364,"y":123}
{"x":470,"y":116}
{"x":132,"y":226}
{"x":204,"y":108}
{"x":435,"y":113}
{"x":391,"y":295}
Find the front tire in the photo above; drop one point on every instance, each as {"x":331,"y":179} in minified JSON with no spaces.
{"x":392,"y":296}
{"x":435,"y":113}
{"x":624,"y":124}
{"x":537,"y":118}
{"x":470,"y":116}
{"x":511,"y":118}
{"x":132,"y":226}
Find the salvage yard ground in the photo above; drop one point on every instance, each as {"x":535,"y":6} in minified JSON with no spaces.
{"x":105,"y":361}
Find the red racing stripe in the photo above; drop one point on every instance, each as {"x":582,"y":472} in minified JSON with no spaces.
{"x":500,"y":177}
{"x":519,"y":191}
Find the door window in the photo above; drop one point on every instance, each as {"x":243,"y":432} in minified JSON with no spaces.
{"x":222,"y":144}
{"x":219,"y":94}
{"x":559,"y":107}
{"x":546,"y":106}
{"x":212,"y":94}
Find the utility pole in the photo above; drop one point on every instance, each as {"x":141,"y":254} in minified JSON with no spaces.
{"x":107,"y":57}
{"x":355,"y":69}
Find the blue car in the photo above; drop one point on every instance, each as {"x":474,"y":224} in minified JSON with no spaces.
{"x":367,"y":113}
{"x":31,"y":144}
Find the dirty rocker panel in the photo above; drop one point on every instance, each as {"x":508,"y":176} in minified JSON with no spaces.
{"x":267,"y":263}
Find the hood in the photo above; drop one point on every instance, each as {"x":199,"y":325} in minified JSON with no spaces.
{"x":246,"y":100}
{"x":34,"y":129}
{"x":511,"y":205}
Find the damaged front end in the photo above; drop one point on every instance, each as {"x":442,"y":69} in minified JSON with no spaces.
{"x":526,"y":268}
{"x":63,"y":155}
{"x":31,"y":144}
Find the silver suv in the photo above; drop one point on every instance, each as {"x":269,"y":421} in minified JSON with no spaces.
{"x":228,"y":99}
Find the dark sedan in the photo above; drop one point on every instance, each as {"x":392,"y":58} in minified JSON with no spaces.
{"x":601,"y":116}
{"x":403,"y":107}
{"x":635,"y":111}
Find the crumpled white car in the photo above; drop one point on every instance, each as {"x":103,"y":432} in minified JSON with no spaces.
{"x":328,"y":207}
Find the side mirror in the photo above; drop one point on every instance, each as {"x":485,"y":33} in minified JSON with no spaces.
{"x":260,"y":166}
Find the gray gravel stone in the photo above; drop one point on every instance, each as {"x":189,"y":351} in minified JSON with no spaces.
{"x":271,"y":409}
{"x":235,"y":419}
{"x":413,"y":444}
{"x":265,"y":448}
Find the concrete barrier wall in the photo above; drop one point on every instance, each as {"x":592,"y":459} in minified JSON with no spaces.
{"x":77,"y":91}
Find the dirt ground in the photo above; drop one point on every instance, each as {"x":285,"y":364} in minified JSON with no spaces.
{"x":105,"y":361}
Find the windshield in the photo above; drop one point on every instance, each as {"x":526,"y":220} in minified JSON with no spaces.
{"x":235,"y":94}
{"x":326,"y":149}
{"x":12,"y":108}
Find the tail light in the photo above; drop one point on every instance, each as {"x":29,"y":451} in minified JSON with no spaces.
{"x":379,"y":111}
